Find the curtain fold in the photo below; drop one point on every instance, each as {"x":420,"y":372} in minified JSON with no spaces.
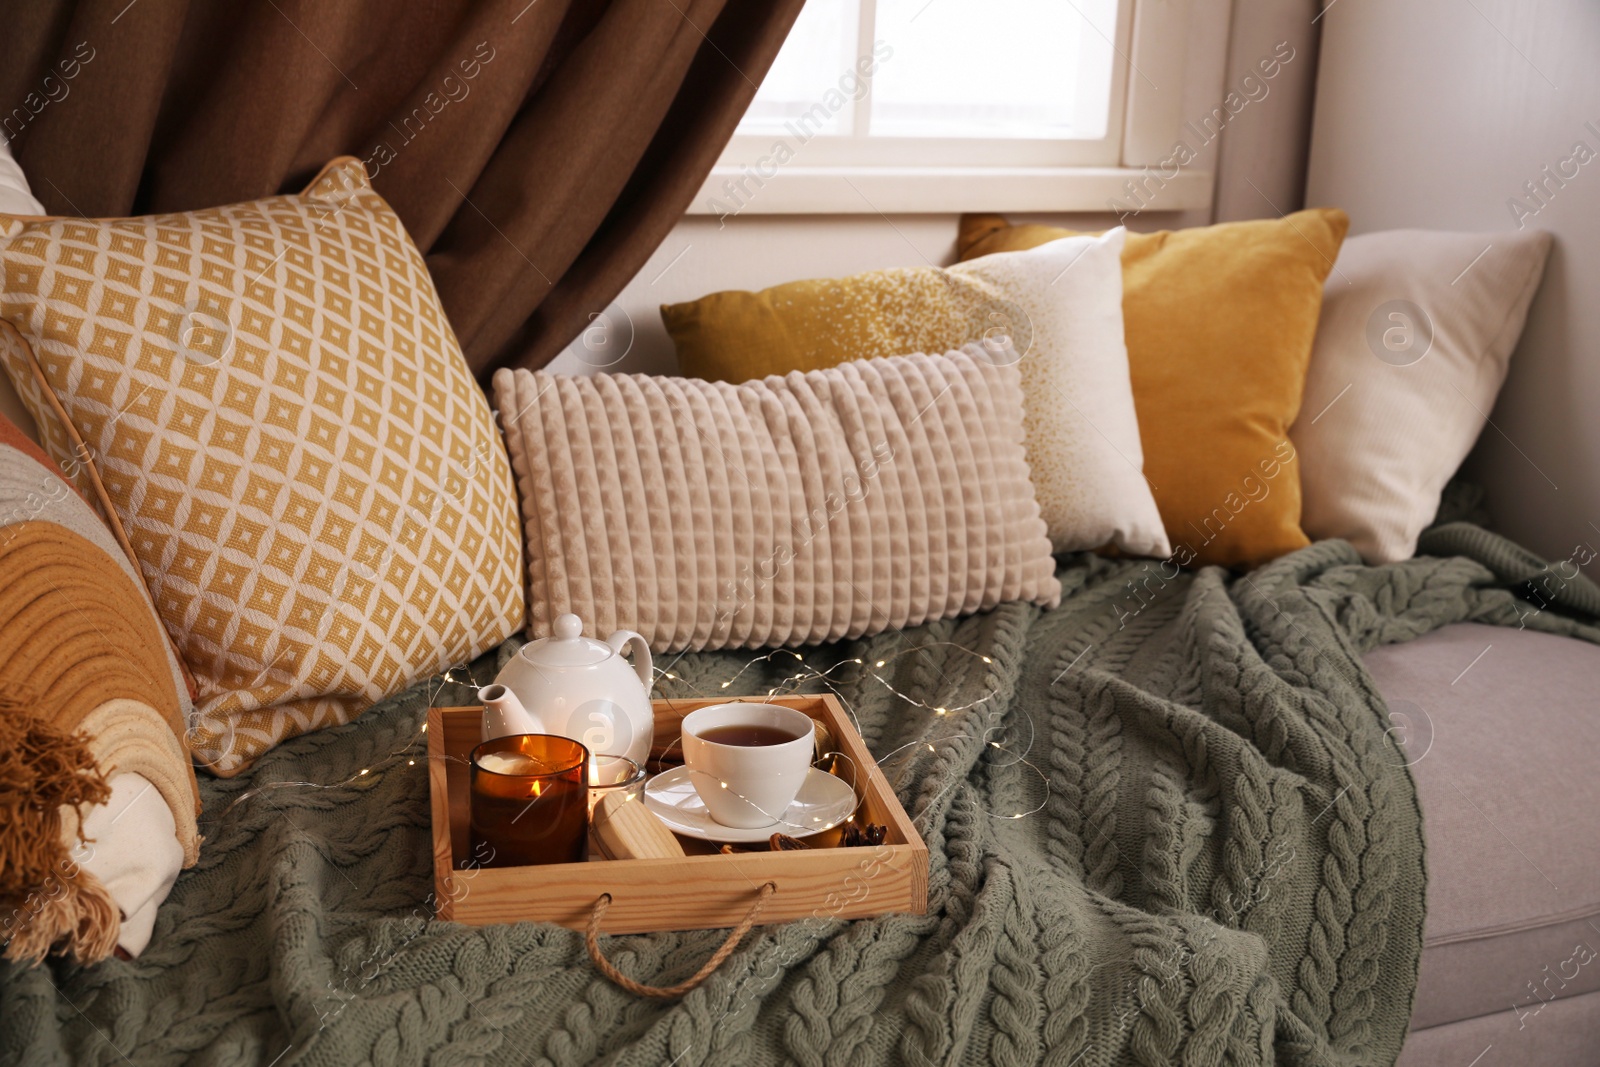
{"x":538,"y":152}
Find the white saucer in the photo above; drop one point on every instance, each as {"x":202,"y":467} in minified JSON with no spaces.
{"x":822,"y":803}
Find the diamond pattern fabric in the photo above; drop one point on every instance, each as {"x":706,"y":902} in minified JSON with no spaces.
{"x":282,"y":418}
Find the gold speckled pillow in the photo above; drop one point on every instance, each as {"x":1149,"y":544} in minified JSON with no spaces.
{"x":283,"y":420}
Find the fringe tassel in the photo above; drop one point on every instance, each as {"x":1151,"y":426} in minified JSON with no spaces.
{"x":48,"y":903}
{"x":73,"y":917}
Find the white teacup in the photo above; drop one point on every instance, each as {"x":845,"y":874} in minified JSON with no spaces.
{"x":747,"y":761}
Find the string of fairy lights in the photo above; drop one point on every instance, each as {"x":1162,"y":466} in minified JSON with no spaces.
{"x":803,"y":676}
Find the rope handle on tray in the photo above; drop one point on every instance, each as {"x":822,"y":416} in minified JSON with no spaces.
{"x":591,"y":937}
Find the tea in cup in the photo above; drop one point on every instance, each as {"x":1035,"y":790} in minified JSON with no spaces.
{"x":747,"y":760}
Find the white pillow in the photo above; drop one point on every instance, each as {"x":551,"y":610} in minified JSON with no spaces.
{"x":1082,"y":432}
{"x":135,"y":854}
{"x":1416,"y":332}
{"x":15,"y":199}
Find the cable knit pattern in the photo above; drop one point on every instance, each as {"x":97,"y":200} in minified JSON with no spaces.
{"x":869,"y":496}
{"x":1225,"y":869}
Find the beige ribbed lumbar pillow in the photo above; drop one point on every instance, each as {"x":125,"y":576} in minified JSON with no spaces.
{"x":784,"y":511}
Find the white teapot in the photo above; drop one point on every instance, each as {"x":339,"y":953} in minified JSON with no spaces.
{"x":576,"y":687}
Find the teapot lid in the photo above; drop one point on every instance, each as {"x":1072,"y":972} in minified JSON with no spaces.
{"x":567,"y":647}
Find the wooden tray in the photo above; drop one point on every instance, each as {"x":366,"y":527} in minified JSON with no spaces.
{"x":697,"y":892}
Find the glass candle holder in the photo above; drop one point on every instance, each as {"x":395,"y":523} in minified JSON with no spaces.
{"x":529,"y":800}
{"x":610,"y":775}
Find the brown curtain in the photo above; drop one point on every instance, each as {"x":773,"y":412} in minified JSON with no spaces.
{"x":537,"y":150}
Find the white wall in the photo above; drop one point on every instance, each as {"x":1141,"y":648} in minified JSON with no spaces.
{"x":1263,"y":159}
{"x":756,"y":251}
{"x":1434,"y":113}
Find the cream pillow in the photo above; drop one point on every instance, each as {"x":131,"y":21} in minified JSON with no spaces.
{"x":1084,"y":448}
{"x":288,"y":432}
{"x":15,"y":196}
{"x":1416,"y":332}
{"x":791,"y":510}
{"x":15,"y":199}
{"x":1060,"y":305}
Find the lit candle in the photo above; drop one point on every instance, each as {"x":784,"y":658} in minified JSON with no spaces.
{"x":528,"y":802}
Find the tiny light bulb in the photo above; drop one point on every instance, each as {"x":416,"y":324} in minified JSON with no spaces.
{"x":363,"y":770}
{"x":986,"y":659}
{"x":941,"y":711}
{"x":411,"y":763}
{"x":879,"y":663}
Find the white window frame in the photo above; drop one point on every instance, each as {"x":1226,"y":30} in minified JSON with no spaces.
{"x":845,"y":175}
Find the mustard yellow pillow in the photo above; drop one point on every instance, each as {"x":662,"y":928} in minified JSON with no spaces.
{"x":1219,"y":323}
{"x":284,"y":423}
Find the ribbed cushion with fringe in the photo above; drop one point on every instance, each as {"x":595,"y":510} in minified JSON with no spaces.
{"x":89,"y":690}
{"x":784,"y":511}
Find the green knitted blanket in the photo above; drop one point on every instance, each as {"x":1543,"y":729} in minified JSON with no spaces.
{"x":1166,"y":825}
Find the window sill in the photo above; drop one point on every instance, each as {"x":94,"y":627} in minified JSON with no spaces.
{"x":730,"y":191}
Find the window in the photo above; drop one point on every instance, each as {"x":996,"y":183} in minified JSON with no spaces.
{"x":935,"y":80}
{"x":907,"y":105}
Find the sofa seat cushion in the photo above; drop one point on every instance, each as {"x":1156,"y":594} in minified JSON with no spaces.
{"x":1503,"y":736}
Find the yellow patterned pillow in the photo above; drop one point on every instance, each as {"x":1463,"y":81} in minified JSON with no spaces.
{"x":308,"y":473}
